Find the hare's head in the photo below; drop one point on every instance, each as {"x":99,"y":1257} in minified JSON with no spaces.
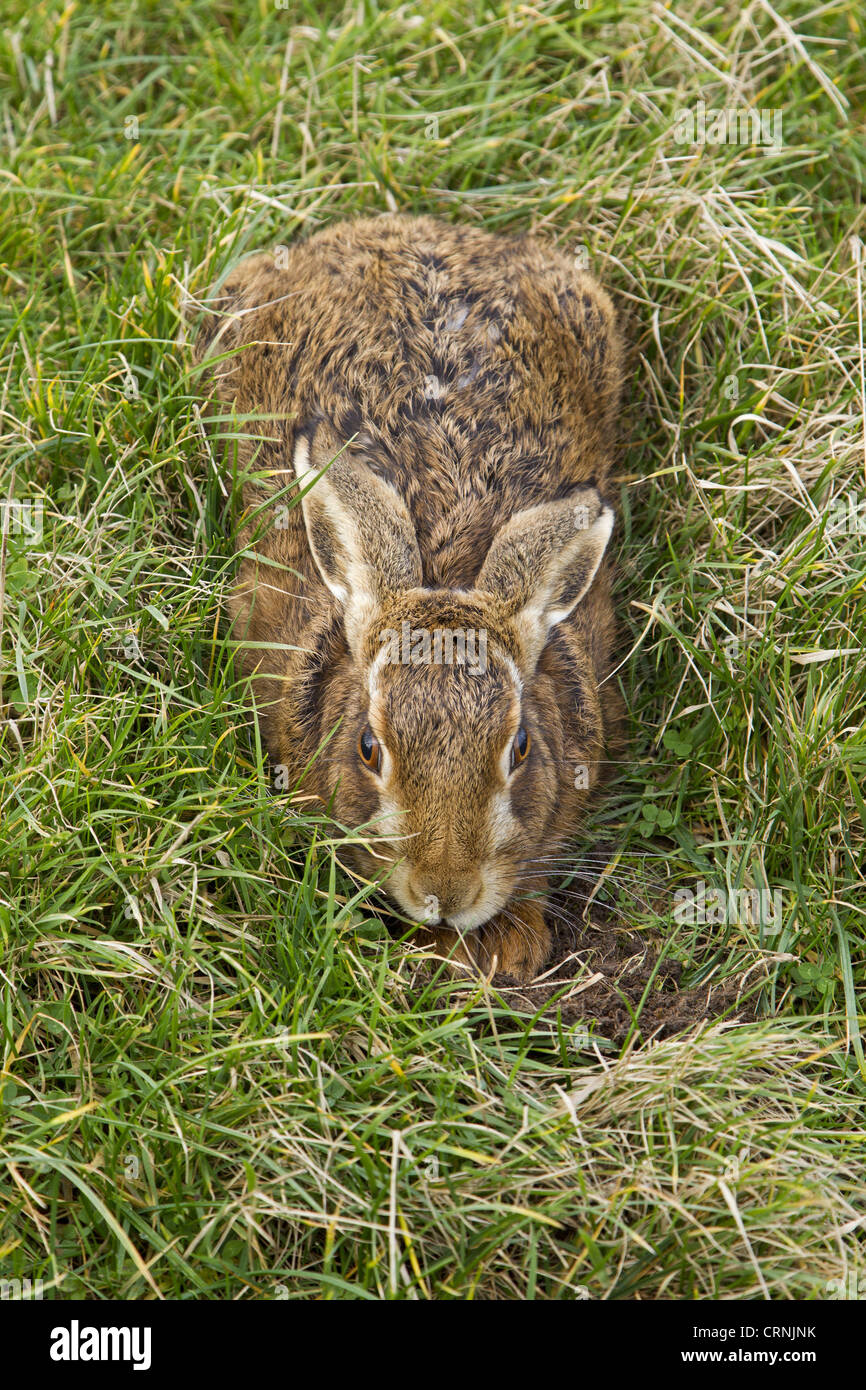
{"x":460,"y":716}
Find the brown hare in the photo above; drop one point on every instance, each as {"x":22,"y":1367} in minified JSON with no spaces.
{"x":423,"y":594}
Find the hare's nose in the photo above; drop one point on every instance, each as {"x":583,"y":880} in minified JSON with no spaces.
{"x":446,"y":893}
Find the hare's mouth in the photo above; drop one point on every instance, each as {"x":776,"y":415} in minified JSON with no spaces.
{"x":471,"y":919}
{"x":463,"y":907}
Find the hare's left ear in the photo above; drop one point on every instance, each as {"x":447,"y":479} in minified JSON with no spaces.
{"x":542,"y":563}
{"x":359,"y":529}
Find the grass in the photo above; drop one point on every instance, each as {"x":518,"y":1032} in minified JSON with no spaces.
{"x":221,"y":1077}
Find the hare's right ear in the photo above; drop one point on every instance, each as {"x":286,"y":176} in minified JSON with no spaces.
{"x":360,"y":533}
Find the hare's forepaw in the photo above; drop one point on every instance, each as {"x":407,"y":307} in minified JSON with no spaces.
{"x":515,"y":942}
{"x":459,"y":951}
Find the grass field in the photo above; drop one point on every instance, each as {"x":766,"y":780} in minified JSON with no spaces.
{"x":222,"y":1077}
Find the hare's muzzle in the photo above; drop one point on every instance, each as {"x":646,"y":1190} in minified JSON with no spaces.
{"x":445,"y":894}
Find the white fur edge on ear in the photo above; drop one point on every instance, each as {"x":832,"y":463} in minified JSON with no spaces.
{"x":301,"y":458}
{"x":598,"y":535}
{"x":307,"y":476}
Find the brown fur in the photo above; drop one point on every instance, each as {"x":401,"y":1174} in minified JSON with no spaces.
{"x":461,"y":380}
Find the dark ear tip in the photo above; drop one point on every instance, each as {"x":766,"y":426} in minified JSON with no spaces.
{"x":305,"y":429}
{"x":604,"y":502}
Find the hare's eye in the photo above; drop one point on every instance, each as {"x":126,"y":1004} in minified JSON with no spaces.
{"x":369,"y":750}
{"x":519,"y":747}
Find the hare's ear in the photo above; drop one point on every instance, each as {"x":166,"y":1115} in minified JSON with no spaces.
{"x":360,"y":533}
{"x":543,"y":561}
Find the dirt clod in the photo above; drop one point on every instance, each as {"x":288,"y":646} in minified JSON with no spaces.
{"x":614,"y":982}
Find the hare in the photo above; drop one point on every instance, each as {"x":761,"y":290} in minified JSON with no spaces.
{"x":423,"y":592}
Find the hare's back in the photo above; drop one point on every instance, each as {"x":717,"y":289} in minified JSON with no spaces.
{"x":484,"y":370}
